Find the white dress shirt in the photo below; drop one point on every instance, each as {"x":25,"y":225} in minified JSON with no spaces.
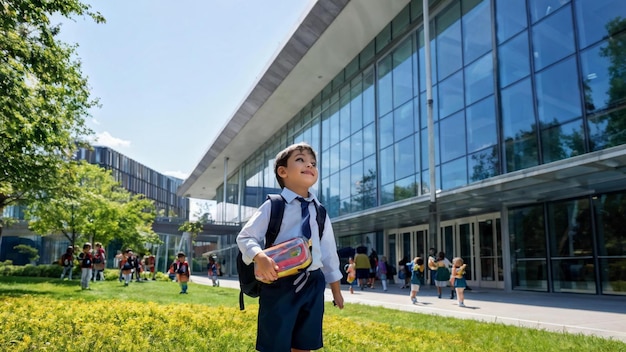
{"x":251,"y":239}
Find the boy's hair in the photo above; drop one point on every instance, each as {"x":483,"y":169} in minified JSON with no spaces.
{"x":180,"y":254}
{"x":283,"y":156}
{"x":87,"y":245}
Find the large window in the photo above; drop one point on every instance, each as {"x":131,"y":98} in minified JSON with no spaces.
{"x":571,"y":246}
{"x":528,"y":248}
{"x":610,"y":223}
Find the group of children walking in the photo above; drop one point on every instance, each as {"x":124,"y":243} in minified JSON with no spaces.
{"x":444,"y":273}
{"x":91,"y":264}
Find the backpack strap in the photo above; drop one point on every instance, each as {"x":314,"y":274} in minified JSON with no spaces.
{"x":320,"y":217}
{"x":276,"y":218}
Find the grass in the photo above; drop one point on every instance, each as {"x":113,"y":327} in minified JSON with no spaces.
{"x":53,"y":315}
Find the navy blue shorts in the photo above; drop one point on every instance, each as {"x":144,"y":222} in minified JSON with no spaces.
{"x":288,"y":319}
{"x":362,"y":273}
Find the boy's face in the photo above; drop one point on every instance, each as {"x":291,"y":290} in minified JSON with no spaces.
{"x":301,"y":171}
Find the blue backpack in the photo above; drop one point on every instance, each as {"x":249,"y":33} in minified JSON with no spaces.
{"x":248,"y":284}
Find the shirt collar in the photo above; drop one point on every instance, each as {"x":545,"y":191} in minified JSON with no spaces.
{"x":290,"y":195}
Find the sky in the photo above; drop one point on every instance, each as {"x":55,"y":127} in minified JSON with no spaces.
{"x":170,"y":74}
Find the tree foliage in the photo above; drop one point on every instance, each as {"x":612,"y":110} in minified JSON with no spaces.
{"x":44,"y":97}
{"x":91,"y":206}
{"x":193,"y":227}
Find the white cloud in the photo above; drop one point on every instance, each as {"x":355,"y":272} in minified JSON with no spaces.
{"x":95,"y":121}
{"x":107,"y":140}
{"x":177,"y":174}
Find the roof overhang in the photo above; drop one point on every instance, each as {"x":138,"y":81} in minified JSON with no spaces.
{"x":584,"y":175}
{"x":328,"y":38}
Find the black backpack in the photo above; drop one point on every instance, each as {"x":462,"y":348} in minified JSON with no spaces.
{"x":248,"y":283}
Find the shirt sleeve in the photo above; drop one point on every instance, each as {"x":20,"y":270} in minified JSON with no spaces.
{"x":330,"y":259}
{"x":251,"y":238}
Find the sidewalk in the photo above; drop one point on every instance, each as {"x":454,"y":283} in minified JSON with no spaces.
{"x":603,"y":316}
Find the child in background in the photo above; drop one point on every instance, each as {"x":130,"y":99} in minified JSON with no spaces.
{"x":212,"y":272}
{"x":99,"y":263}
{"x":67,"y":260}
{"x":126,"y":266}
{"x":291,"y":308}
{"x":86,"y":264}
{"x":381,"y":271}
{"x":417,"y":277}
{"x":151,"y":266}
{"x":351,"y":273}
{"x":171,"y":272}
{"x":457,"y":280}
{"x":182,"y":272}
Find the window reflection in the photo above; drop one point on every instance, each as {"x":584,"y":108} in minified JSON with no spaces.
{"x":553,"y":39}
{"x":481,"y":125}
{"x":403,"y":72}
{"x":543,"y":8}
{"x":450,"y":96}
{"x":510,"y":18}
{"x":597,"y":19}
{"x":483,"y":164}
{"x":477,"y":29}
{"x":513,"y":60}
{"x":449,"y":45}
{"x":454,"y":174}
{"x":385,"y":85}
{"x":479,"y":79}
{"x":386,"y":165}
{"x":405,"y":188}
{"x":405,"y":158}
{"x":564,"y":141}
{"x":596,"y":78}
{"x":452,"y":130}
{"x":558,"y":95}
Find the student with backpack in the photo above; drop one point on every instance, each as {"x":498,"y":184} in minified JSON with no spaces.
{"x":86,"y":265}
{"x":182,"y":272}
{"x":67,"y":260}
{"x":212,"y":270}
{"x":99,"y":258}
{"x":291,"y":308}
{"x":126,"y":266}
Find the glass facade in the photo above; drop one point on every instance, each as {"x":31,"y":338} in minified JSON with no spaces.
{"x":586,"y":248}
{"x":516,"y":84}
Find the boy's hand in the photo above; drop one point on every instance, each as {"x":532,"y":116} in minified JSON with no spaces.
{"x":265,"y":268}
{"x":337,"y":297}
{"x":338,"y":300}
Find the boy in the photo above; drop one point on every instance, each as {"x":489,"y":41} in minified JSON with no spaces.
{"x":182,"y":272}
{"x":86,"y":263}
{"x":99,"y":258}
{"x":67,"y":260}
{"x":212,"y":271}
{"x":291,"y":308}
{"x":126,"y":266}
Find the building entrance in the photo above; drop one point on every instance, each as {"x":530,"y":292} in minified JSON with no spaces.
{"x":477,"y":239}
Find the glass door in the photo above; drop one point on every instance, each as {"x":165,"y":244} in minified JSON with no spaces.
{"x":466,"y":240}
{"x":478,"y":240}
{"x":489,"y":247}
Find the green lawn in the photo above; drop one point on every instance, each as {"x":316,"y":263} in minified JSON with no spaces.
{"x":53,"y":315}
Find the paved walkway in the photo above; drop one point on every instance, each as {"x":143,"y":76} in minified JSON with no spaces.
{"x":603,"y":316}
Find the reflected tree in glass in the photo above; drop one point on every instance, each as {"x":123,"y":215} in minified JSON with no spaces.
{"x":366,"y":190}
{"x":615,"y":51}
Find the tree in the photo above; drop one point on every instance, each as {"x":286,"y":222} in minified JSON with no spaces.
{"x":92,"y":206}
{"x":193,"y":227}
{"x":44,"y":97}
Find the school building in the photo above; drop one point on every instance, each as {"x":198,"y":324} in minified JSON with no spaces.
{"x":528,"y":128}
